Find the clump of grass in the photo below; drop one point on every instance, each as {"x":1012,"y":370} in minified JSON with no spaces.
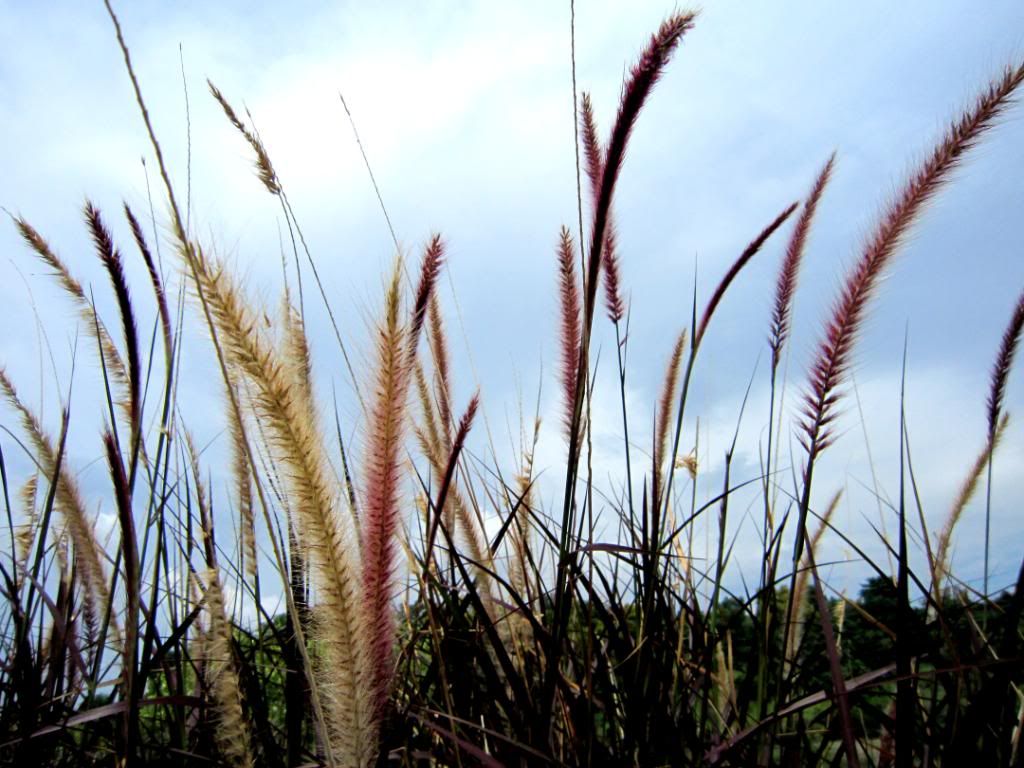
{"x":530,"y":641}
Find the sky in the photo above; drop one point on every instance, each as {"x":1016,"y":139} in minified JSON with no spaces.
{"x":465,"y":111}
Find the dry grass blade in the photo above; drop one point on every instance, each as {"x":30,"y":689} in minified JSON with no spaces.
{"x":798,"y":608}
{"x":963,"y":498}
{"x":748,"y":253}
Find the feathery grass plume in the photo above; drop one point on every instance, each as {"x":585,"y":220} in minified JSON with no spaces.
{"x":637,"y":87}
{"x":264,"y":168}
{"x":748,"y":253}
{"x":839,"y":620}
{"x":71,"y":505}
{"x":93,"y":326}
{"x":437,"y":339}
{"x":231,"y":731}
{"x":963,"y":498}
{"x":155,"y":280}
{"x":295,"y":440}
{"x":396,"y":351}
{"x":786,"y":285}
{"x":433,"y":259}
{"x":113,"y":263}
{"x":642,"y":78}
{"x":457,"y":513}
{"x":203,"y":500}
{"x":1003,"y":363}
{"x":569,"y":293}
{"x":132,"y":588}
{"x":296,"y":354}
{"x":381,"y":500}
{"x":448,"y":475}
{"x":664,"y":411}
{"x":594,"y":158}
{"x":689,"y":463}
{"x":520,"y":529}
{"x":1000,"y":373}
{"x":798,"y":606}
{"x":613,"y":302}
{"x":428,"y":435}
{"x":593,"y":153}
{"x":25,"y":532}
{"x":836,"y":347}
{"x":243,"y":489}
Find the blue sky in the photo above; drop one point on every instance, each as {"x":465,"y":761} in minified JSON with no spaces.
{"x":465,"y":110}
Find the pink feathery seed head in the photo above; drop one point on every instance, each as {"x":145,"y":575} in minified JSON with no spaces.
{"x":467,"y":419}
{"x":833,"y":358}
{"x":786,"y":285}
{"x":593,"y":155}
{"x":1003,"y":363}
{"x":642,"y":78}
{"x":439,"y":350}
{"x":612,"y":298}
{"x":154,"y":276}
{"x":380,"y":512}
{"x":592,"y":152}
{"x":433,"y":258}
{"x":748,"y":253}
{"x":100,"y":236}
{"x":114,"y":265}
{"x":569,"y":295}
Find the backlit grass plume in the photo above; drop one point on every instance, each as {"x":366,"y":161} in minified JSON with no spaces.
{"x":232,"y":730}
{"x":569,"y":307}
{"x":81,"y":527}
{"x":786,"y":285}
{"x":396,"y":352}
{"x":835,"y":350}
{"x":599,"y":622}
{"x":643,"y":76}
{"x":314,"y":498}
